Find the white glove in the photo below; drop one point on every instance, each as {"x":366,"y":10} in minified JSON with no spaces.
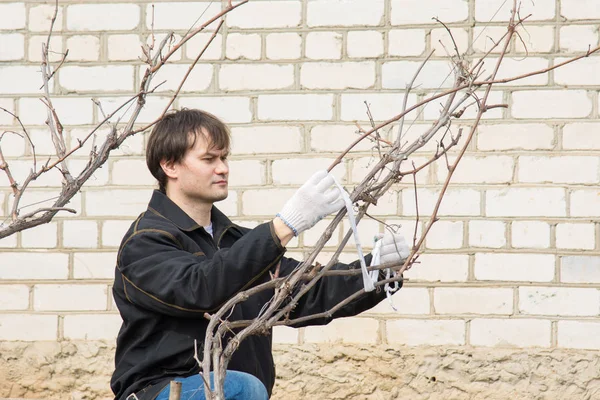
{"x":313,"y":201}
{"x":393,"y":248}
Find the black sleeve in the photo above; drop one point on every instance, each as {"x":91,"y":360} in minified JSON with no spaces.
{"x":330,"y":291}
{"x":158,"y":274}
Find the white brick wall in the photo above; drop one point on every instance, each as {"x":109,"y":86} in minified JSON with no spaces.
{"x":517,"y":245}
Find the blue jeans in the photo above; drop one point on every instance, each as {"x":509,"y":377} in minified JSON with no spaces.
{"x":237,"y":386}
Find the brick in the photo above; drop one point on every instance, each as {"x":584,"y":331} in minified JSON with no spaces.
{"x":83,"y":48}
{"x":426,"y":332}
{"x":12,"y":145}
{"x":195,"y":45}
{"x":488,"y":169}
{"x":116,"y":202}
{"x":98,"y":178}
{"x":435,"y":74}
{"x":443,"y":44}
{"x":299,"y":170}
{"x":514,"y":267}
{"x":585,"y":203}
{"x":301,"y":107}
{"x":559,"y":301}
{"x":566,"y":169}
{"x":344,"y":330}
{"x":94,"y":265}
{"x":432,"y":111}
{"x":28,"y":327}
{"x":367,"y":230}
{"x":285,"y":335}
{"x":439,"y":267}
{"x":9,"y":242}
{"x":112,"y":233}
{"x":488,"y":234}
{"x":364,"y":44}
{"x":497,"y":10}
{"x":229,"y":206}
{"x":103,"y":17}
{"x":124,"y":47}
{"x":69,"y":297}
{"x":283,"y":46}
{"x":253,"y":201}
{"x":515,"y":137}
{"x":575,"y":236}
{"x":382,"y":105}
{"x":266,"y":14}
{"x":178,"y":15}
{"x":336,"y":138}
{"x":30,"y":265}
{"x":580,"y":269}
{"x":510,"y":68}
{"x":579,"y":9}
{"x":266,"y":139}
{"x":455,"y":202}
{"x":70,"y":110}
{"x":102,"y":78}
{"x":348,"y":75}
{"x":21,"y":80}
{"x":530,"y":234}
{"x":91,"y":326}
{"x":510,"y":332}
{"x":578,"y":334}
{"x":406,"y":42}
{"x":578,"y":37}
{"x":247,"y":173}
{"x":198,"y":80}
{"x":21,"y":170}
{"x":80,"y":234}
{"x":40,"y":18}
{"x":12,"y":46}
{"x":312,"y":236}
{"x":240,"y":46}
{"x":255,"y":76}
{"x":386,"y":204}
{"x":407,"y":301}
{"x":551,"y":104}
{"x":131,"y":172}
{"x":580,"y":136}
{"x":14,"y":297}
{"x":12,"y":16}
{"x":445,"y":235}
{"x":6,"y":118}
{"x":344,"y":12}
{"x":526,"y":202}
{"x":47,"y":198}
{"x":324,"y":45}
{"x":422,"y":11}
{"x":42,"y":236}
{"x":485,"y":38}
{"x":230,"y":109}
{"x":153,"y":108}
{"x":538,"y":39}
{"x":55,"y":54}
{"x":582,"y":72}
{"x":473,"y":301}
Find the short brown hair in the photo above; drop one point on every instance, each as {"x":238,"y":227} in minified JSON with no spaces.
{"x":177,"y":132}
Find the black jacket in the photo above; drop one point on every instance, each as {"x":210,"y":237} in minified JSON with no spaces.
{"x":170,"y":272}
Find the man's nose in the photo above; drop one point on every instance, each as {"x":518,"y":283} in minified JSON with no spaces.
{"x":222,"y":167}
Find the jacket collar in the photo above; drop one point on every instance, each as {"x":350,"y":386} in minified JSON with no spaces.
{"x":166,"y":208}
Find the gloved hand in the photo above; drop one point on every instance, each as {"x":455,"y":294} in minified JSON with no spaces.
{"x":313,"y":201}
{"x":393,"y":248}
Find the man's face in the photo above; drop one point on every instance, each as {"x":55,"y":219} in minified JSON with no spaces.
{"x":203,"y":172}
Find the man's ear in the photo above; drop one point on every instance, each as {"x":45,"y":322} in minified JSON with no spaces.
{"x":170,"y":168}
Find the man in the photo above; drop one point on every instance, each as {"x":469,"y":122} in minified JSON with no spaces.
{"x":183,"y":258}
